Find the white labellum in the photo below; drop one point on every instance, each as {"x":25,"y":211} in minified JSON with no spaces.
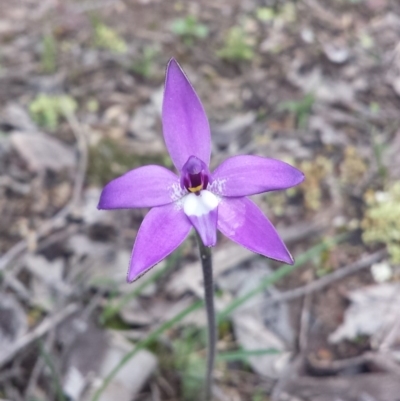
{"x":199,"y":205}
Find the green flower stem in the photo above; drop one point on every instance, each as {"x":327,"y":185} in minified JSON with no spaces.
{"x":206,"y":262}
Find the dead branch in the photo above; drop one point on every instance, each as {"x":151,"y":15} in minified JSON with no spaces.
{"x":323,"y":282}
{"x":59,"y":220}
{"x":39,"y":331}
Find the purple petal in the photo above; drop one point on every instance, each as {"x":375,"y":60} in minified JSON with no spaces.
{"x":202,"y":211}
{"x":185,"y":124}
{"x":249,"y":175}
{"x":145,"y":186}
{"x":163,"y":229}
{"x":243,"y":222}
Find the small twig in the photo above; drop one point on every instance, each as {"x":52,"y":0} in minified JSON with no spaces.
{"x":39,"y":331}
{"x":59,"y":219}
{"x":304,"y":323}
{"x":324,"y":13}
{"x":323,"y":282}
{"x":155,"y":392}
{"x":83,"y":157}
{"x":56,"y":222}
{"x":392,"y":334}
{"x":289,"y":373}
{"x":14,"y":185}
{"x":166,"y":386}
{"x":10,"y":279}
{"x":38,"y":367}
{"x":34,"y":377}
{"x":20,"y":290}
{"x":13,"y":253}
{"x":382,"y":360}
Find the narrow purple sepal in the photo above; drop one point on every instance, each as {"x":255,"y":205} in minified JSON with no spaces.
{"x":185,"y":124}
{"x":163,"y":229}
{"x":248,"y":175}
{"x":243,"y":222}
{"x":145,"y":186}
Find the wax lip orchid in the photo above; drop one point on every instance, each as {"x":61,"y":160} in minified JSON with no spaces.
{"x":197,"y":198}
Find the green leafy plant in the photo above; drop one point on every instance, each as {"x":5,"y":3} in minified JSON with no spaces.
{"x":265,"y":14}
{"x":189,"y":362}
{"x":49,"y":54}
{"x":106,"y":38}
{"x":238,"y":46}
{"x":189,"y":29}
{"x":301,"y":108}
{"x":144,"y":65}
{"x":316,"y":172}
{"x":381,"y":223}
{"x":284,"y":14}
{"x":46,"y":110}
{"x":260,"y":395}
{"x":379,"y":147}
{"x":366,"y":41}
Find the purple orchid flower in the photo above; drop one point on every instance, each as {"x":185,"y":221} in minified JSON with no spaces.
{"x":198,"y":198}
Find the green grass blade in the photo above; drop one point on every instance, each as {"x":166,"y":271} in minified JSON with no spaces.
{"x":49,"y":363}
{"x":242,"y":355}
{"x":145,"y":342}
{"x":113,"y":308}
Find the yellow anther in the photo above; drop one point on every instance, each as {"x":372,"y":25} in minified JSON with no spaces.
{"x":196,"y":189}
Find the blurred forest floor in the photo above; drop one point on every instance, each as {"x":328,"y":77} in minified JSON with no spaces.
{"x":313,"y":82}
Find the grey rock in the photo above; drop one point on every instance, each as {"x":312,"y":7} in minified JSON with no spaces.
{"x":131,"y":377}
{"x":42,"y":152}
{"x":336,"y":54}
{"x":17,"y":117}
{"x":223,"y":134}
